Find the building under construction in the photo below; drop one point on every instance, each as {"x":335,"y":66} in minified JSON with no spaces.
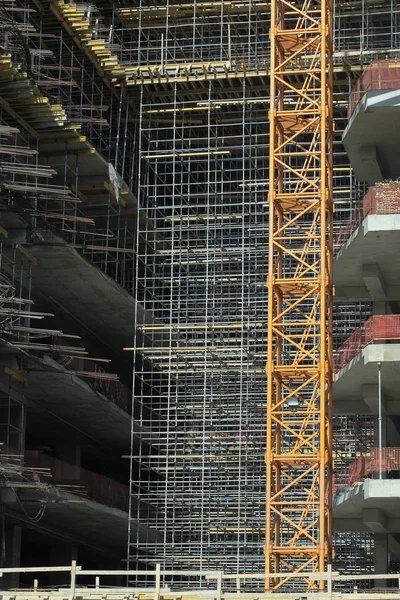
{"x":134,"y":256}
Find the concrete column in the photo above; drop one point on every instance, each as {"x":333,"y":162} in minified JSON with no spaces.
{"x":120,"y":580}
{"x":384,"y":440}
{"x":379,"y":308}
{"x":371,"y":162}
{"x":376,"y":286}
{"x":62,"y":555}
{"x":392,"y":432}
{"x":13,"y":534}
{"x":22,"y":430}
{"x":381,"y":557}
{"x":70,"y":467}
{"x":394,"y":547}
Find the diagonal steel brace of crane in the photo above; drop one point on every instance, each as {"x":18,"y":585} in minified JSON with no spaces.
{"x":299,"y":354}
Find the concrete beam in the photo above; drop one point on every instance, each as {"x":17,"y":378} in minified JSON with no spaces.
{"x":84,"y":517}
{"x":72,"y":402}
{"x":376,"y":501}
{"x":383,"y":490}
{"x":376,"y":242}
{"x":392,"y":432}
{"x":362,"y":371}
{"x":355,"y":524}
{"x":381,"y":557}
{"x":371,"y":163}
{"x":370,"y":397}
{"x":374,"y":282}
{"x":375,"y":520}
{"x":356,"y":407}
{"x":359,"y":293}
{"x":349,"y":525}
{"x":370,"y":138}
{"x":344,"y":293}
{"x":16,"y":236}
{"x":394,"y":546}
{"x":60,"y":534}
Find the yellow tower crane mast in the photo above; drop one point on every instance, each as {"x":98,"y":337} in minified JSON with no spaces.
{"x":299,"y":364}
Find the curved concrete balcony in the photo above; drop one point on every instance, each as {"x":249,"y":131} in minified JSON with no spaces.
{"x":366,"y":497}
{"x":356,"y":368}
{"x":368,"y":248}
{"x":370,"y":138}
{"x":89,"y":507}
{"x":98,"y":406}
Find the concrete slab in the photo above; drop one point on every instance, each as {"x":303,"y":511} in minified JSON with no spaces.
{"x":91,"y":170}
{"x":376,"y":241}
{"x":76,"y":402}
{"x":371,"y":136}
{"x":79,"y":288}
{"x":78,"y":515}
{"x":84,"y":162}
{"x":369,"y":506}
{"x":52,"y":427}
{"x":350,"y":383}
{"x":57,"y":398}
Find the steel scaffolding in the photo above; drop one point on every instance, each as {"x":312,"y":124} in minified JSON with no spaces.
{"x":203,"y":345}
{"x":79,"y":128}
{"x":170,"y":101}
{"x":200,"y":344}
{"x":66,"y":168}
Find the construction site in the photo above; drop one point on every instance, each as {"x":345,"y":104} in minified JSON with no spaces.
{"x":199,"y":299}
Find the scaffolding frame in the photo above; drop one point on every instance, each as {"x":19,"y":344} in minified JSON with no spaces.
{"x":202,"y":184}
{"x":202,"y":72}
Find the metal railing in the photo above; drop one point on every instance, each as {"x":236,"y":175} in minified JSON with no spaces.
{"x":377,"y":328}
{"x":380,"y":75}
{"x":381,"y":199}
{"x":217,"y":591}
{"x":374,"y":463}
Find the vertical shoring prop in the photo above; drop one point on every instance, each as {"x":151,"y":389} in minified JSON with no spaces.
{"x":299,"y":355}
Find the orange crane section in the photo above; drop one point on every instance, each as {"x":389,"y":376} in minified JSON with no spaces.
{"x":299,"y":364}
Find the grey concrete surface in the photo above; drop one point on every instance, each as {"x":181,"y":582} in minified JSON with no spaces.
{"x":352,"y":384}
{"x":56,"y":398}
{"x":375,"y":242}
{"x":86,"y":163}
{"x":80,"y":516}
{"x":75,"y":401}
{"x":92,"y":169}
{"x":84,"y":291}
{"x":369,"y":506}
{"x":371,"y":136}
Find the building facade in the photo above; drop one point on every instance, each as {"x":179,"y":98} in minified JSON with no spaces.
{"x":134,"y":178}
